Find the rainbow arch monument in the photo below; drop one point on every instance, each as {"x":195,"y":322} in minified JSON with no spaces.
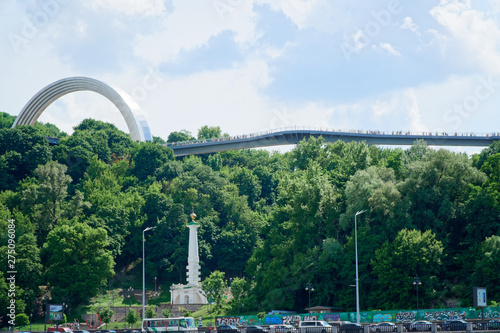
{"x":130,"y":110}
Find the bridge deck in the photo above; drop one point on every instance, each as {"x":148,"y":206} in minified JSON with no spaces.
{"x":293,"y":136}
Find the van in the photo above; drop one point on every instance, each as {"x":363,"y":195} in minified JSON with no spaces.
{"x":60,"y":329}
{"x":315,"y":326}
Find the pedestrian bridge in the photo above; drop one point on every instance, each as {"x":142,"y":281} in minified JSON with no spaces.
{"x":289,"y":136}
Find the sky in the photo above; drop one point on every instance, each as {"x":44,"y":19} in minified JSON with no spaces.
{"x":250,"y":66}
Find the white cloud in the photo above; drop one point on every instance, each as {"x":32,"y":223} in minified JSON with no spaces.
{"x":476,"y":37}
{"x":387,"y":47}
{"x":299,"y":12}
{"x":408,"y":24}
{"x":190,"y":27}
{"x":129,"y":7}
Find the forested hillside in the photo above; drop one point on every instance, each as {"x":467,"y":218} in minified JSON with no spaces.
{"x":276,"y":220}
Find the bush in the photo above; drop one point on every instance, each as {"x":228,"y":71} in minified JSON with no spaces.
{"x":22,"y":319}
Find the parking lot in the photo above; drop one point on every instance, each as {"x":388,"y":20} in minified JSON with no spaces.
{"x":348,"y":327}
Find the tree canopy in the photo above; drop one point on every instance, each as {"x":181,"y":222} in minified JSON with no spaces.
{"x":269,"y":222}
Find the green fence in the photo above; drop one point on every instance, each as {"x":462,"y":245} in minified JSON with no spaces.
{"x":366,"y":316}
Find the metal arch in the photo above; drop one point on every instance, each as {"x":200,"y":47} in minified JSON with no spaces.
{"x":130,"y":110}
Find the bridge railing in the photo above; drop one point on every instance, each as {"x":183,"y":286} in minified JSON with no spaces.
{"x":339,"y":131}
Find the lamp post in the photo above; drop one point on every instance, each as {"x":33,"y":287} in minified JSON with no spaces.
{"x":309,"y":288}
{"x":130,"y":291}
{"x":45,"y":301}
{"x":144,"y":274}
{"x":416,"y":282}
{"x":356,"y":250}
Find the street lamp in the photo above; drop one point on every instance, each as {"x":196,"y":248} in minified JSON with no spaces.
{"x":416,"y":282}
{"x":309,"y":288}
{"x":130,"y":291}
{"x":356,"y":250}
{"x":45,"y":301}
{"x":144,"y":274}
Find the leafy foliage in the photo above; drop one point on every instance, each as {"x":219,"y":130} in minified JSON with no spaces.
{"x":269,"y":222}
{"x":77,"y":263}
{"x":132,"y":317}
{"x":214,"y":287}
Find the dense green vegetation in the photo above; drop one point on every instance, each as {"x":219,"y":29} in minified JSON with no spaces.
{"x":269,"y":222}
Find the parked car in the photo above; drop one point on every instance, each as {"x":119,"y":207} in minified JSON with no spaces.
{"x":256,"y":329}
{"x":227,"y":329}
{"x":420,"y":326}
{"x":351,"y":328}
{"x":129,"y":331}
{"x":60,"y":329}
{"x":282,"y":328}
{"x":454,"y":325}
{"x":81,"y":331}
{"x":384,"y":327}
{"x":315,"y":326}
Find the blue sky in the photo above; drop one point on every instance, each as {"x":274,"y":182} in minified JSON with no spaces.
{"x":253,"y":65}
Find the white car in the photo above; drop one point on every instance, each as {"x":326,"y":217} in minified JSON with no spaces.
{"x":282,"y":328}
{"x":315,"y":326}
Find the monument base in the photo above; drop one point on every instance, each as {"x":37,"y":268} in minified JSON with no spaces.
{"x":187,"y":294}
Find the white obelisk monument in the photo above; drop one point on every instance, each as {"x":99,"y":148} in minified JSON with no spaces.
{"x":191,"y":292}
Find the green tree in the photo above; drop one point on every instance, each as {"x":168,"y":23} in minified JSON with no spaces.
{"x":6,"y":120}
{"x":22,"y":319}
{"x":239,"y":289}
{"x":150,"y":311}
{"x":50,"y":193}
{"x":116,"y":211}
{"x":486,"y":267}
{"x":78,"y":263}
{"x":247,"y":182}
{"x":46,"y":199}
{"x":28,"y":266}
{"x":183,"y":135}
{"x":150,"y":157}
{"x":106,"y":314}
{"x":396,"y":263}
{"x":308,"y":151}
{"x":22,"y":150}
{"x":167,"y":312}
{"x":375,"y":189}
{"x":118,"y":142}
{"x":214,"y":288}
{"x":345,"y":159}
{"x":479,"y":159}
{"x":305,"y":214}
{"x":4,"y":290}
{"x":186,"y":313}
{"x":209,"y":132}
{"x":439,"y":191}
{"x":132,"y":318}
